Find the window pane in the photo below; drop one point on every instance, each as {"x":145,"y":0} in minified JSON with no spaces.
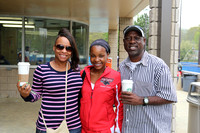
{"x":40,"y":35}
{"x":80,"y":33}
{"x":10,"y":41}
{"x":41,"y":39}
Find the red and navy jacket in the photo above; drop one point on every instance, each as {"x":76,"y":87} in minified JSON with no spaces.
{"x":96,"y":111}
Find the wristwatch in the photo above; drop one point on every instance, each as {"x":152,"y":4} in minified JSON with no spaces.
{"x":145,"y":101}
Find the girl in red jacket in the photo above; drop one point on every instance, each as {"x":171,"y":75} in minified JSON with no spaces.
{"x":100,"y":91}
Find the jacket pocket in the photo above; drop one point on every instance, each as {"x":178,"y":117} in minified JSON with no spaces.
{"x":83,"y":113}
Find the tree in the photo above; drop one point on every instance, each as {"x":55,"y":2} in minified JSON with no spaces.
{"x":187,"y":51}
{"x":190,"y":44}
{"x":197,"y":35}
{"x":97,"y":35}
{"x":191,"y":33}
{"x":143,"y":21}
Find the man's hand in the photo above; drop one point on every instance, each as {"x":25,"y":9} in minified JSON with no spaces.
{"x":131,"y":98}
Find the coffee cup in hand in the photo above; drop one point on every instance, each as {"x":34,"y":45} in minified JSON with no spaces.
{"x":23,"y":72}
{"x":127,"y":85}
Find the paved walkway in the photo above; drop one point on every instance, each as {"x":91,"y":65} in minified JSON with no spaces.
{"x":181,"y":112}
{"x":17,"y":116}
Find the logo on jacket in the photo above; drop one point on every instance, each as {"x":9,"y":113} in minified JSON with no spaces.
{"x":106,"y":81}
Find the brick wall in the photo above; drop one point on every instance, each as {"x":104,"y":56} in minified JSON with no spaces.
{"x":113,"y":42}
{"x":8,"y":82}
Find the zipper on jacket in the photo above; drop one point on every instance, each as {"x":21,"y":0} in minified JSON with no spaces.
{"x":91,"y":95}
{"x":90,"y":108}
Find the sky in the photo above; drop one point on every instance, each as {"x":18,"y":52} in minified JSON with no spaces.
{"x":190,"y":14}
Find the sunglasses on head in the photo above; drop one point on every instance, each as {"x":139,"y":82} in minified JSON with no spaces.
{"x":61,"y":47}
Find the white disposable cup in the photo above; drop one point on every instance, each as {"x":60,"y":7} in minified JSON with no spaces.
{"x":23,"y":72}
{"x":127,"y":85}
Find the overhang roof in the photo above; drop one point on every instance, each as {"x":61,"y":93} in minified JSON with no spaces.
{"x":78,"y":10}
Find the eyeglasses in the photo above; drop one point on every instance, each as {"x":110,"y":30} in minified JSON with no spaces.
{"x":61,"y":47}
{"x":135,"y":38}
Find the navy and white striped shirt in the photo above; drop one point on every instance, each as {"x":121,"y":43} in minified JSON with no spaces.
{"x":50,"y":85}
{"x":151,"y":77}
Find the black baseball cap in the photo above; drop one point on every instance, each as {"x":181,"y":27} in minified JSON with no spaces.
{"x":134,"y":28}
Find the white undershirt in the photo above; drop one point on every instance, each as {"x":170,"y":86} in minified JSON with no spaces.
{"x":92,"y":85}
{"x":133,"y":65}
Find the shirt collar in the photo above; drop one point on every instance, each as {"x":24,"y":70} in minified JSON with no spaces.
{"x":143,"y":61}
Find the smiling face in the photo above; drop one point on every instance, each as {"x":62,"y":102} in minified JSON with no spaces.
{"x":98,"y":57}
{"x":62,"y":55}
{"x":134,"y":44}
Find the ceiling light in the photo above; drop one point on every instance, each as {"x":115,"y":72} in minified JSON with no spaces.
{"x":18,"y":26}
{"x":11,"y":22}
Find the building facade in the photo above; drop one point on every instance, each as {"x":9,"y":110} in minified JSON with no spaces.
{"x":28,"y":30}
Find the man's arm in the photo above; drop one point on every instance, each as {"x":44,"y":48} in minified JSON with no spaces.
{"x":133,"y":99}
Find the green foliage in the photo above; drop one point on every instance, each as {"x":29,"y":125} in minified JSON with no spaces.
{"x":186,"y":50}
{"x":197,"y":35}
{"x":94,"y":35}
{"x":143,"y":21}
{"x":191,"y":33}
{"x":190,"y":44}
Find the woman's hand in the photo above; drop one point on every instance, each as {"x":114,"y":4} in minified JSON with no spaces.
{"x":24,"y":90}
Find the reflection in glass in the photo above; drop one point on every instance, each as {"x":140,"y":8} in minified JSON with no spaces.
{"x":80,"y":33}
{"x":39,"y":39}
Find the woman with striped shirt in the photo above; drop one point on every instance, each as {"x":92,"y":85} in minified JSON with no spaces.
{"x":49,"y":83}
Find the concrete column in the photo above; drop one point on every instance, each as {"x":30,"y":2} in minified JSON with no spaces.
{"x":174,"y":50}
{"x":166,"y":22}
{"x":123,"y":22}
{"x":113,"y":42}
{"x":155,"y":45}
{"x":154,"y":26}
{"x":155,"y":37}
{"x":175,"y":39}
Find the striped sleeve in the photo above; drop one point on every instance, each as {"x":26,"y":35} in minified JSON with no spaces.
{"x":164,"y":84}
